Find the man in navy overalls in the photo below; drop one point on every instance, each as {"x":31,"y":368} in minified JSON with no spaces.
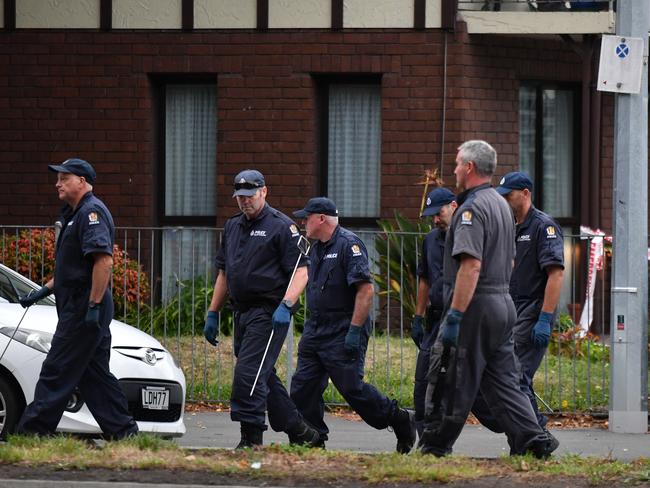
{"x":536,"y":279}
{"x":440,"y":206}
{"x":335,"y":336}
{"x":257,"y":257}
{"x":81,"y":346}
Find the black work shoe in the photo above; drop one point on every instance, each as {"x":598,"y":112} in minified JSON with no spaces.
{"x":304,"y":434}
{"x":543,"y":448}
{"x":403,"y":425}
{"x":251,"y":436}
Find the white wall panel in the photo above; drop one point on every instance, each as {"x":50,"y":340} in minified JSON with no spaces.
{"x":308,"y":14}
{"x":433,"y":15}
{"x":147,"y":14}
{"x":378,"y":13}
{"x":225,"y":14}
{"x":57,"y":14}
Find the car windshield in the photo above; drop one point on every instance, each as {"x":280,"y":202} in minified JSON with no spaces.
{"x":11,"y":288}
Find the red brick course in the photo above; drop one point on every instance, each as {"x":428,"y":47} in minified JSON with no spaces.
{"x":92,"y":95}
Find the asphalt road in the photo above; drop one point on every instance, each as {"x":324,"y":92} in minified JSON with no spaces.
{"x":218,"y":431}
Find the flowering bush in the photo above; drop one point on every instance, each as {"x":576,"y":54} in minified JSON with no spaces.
{"x":31,"y":252}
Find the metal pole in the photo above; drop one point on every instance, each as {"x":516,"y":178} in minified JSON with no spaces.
{"x":628,"y":407}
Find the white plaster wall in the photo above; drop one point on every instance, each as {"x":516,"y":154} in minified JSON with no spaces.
{"x":433,"y":16}
{"x":538,"y":22}
{"x":147,"y":14}
{"x":225,"y":14}
{"x":310,"y":14}
{"x":378,"y":13}
{"x":57,"y":14}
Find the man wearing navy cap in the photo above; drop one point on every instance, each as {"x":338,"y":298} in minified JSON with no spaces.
{"x":80,"y":351}
{"x":440,"y":206}
{"x":536,"y":279}
{"x":257,"y":257}
{"x":475,"y":343}
{"x":335,"y":336}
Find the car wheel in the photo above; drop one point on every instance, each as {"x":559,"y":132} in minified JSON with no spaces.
{"x":10,"y":408}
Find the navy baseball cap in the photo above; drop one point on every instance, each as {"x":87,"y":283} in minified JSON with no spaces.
{"x":318,"y":205}
{"x":77,"y":167}
{"x":514,"y":181}
{"x":437,"y":199}
{"x":247,"y":182}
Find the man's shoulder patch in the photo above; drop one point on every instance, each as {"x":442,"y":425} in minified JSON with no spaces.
{"x":550,"y":232}
{"x":466,"y":217}
{"x":93,"y":218}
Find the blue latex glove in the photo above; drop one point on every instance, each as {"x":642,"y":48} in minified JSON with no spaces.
{"x":451,"y":327}
{"x":352,"y":344}
{"x":34,"y":296}
{"x":417,"y":331}
{"x":92,"y":315}
{"x":281,"y":317}
{"x":541,"y":333}
{"x":210,"y":328}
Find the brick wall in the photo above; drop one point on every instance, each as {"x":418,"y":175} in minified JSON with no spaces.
{"x":89,"y":94}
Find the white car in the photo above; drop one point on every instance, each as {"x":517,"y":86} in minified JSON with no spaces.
{"x":153,"y":383}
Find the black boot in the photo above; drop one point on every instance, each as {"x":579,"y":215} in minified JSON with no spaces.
{"x":542,"y":448}
{"x":403,"y":424}
{"x":251,"y":436}
{"x":303,"y":434}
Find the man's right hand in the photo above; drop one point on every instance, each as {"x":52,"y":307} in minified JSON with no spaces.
{"x":417,"y":331}
{"x":211,"y":327}
{"x":34,"y":296}
{"x":450,"y":327}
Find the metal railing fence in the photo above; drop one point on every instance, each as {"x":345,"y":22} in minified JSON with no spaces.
{"x":537,"y":5}
{"x":163,"y":280}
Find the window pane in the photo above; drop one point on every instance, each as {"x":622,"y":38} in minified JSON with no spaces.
{"x":354,"y":149}
{"x":527,"y":134}
{"x":558,"y":153}
{"x":190,"y":150}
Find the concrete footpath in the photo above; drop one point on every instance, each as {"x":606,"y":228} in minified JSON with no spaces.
{"x":217,"y":430}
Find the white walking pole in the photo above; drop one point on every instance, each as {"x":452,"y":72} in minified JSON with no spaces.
{"x":303,"y":247}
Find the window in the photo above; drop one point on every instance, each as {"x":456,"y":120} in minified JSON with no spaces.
{"x":187,"y":173}
{"x":548,"y":149}
{"x":351,"y":146}
{"x":548,"y":152}
{"x":190,"y":151}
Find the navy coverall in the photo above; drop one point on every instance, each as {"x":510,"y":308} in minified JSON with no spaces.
{"x":429,"y":269}
{"x":483,"y":228}
{"x":336,"y":267}
{"x":79,"y":355}
{"x":540,"y":244}
{"x":258,"y":257}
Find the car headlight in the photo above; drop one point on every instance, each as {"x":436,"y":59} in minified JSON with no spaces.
{"x":36,"y":339}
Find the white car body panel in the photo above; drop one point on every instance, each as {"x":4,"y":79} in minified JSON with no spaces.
{"x":24,"y":363}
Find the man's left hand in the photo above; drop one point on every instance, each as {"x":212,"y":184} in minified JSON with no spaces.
{"x":541,"y":333}
{"x":352,"y":344}
{"x":92,"y":315}
{"x":281,"y":317}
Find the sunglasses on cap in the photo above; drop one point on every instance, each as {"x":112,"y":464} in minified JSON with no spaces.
{"x":247,"y":186}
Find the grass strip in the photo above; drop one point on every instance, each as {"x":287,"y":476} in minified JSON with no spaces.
{"x":277,"y":462}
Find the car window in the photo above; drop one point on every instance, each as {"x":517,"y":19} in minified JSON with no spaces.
{"x":11,"y":288}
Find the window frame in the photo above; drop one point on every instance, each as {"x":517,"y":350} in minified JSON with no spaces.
{"x":538,"y":187}
{"x":159,"y":85}
{"x":322,"y":84}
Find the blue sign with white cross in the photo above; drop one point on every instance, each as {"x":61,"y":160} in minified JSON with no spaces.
{"x":622,"y":50}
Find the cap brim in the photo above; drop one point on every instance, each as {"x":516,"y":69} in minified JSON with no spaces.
{"x":503,"y":191}
{"x":58,"y":168}
{"x":431,"y":211}
{"x":245,"y":192}
{"x":301,"y":214}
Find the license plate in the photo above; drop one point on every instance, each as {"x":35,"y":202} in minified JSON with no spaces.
{"x":155,"y":398}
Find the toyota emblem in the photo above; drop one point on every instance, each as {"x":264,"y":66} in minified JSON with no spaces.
{"x":150,"y":357}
